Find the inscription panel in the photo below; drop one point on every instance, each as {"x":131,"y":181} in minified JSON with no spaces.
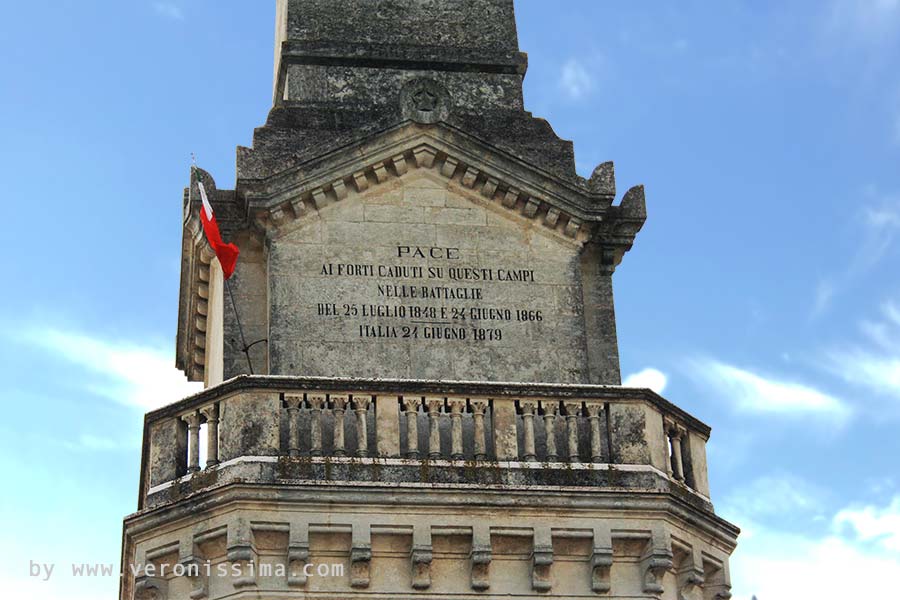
{"x":422,"y":281}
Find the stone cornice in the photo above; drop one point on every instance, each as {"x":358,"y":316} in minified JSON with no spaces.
{"x":572,"y":501}
{"x":572,"y":210}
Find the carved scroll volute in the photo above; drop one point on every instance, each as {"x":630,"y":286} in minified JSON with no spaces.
{"x":601,"y":561}
{"x":298,"y":555}
{"x":691,"y":576}
{"x":541,"y":560}
{"x":360,"y":556}
{"x":656,"y":561}
{"x":151,"y":588}
{"x":481,"y":558}
{"x":421,"y":567}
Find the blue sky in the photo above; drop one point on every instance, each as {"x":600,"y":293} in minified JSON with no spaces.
{"x":763,"y":295}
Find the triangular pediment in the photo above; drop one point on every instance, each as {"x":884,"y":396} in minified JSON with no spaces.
{"x":513,"y":187}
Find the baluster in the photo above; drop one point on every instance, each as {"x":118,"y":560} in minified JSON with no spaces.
{"x":293,"y":404}
{"x":434,"y":426}
{"x":528,"y":407}
{"x":361,"y":407}
{"x":338,"y":406}
{"x":676,"y":433}
{"x":593,"y":410}
{"x":211,"y":413}
{"x":457,"y":405}
{"x":550,"y":409}
{"x":316,"y":404}
{"x":411,"y":408}
{"x":193,"y":423}
{"x":479,"y":408}
{"x":573,"y":409}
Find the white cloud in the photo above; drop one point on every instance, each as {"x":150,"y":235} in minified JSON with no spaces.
{"x":882,"y":217}
{"x":885,"y":333}
{"x":872,"y":523}
{"x":754,"y":393}
{"x":575,"y":80}
{"x":169,"y":10}
{"x":824,"y":294}
{"x":777,"y":495}
{"x":879,"y":229}
{"x":878,"y":366}
{"x":128,"y":373}
{"x":647,"y":378}
{"x":775,"y":563}
{"x":878,"y":372}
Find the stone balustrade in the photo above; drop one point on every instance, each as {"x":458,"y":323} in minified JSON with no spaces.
{"x":407,"y":432}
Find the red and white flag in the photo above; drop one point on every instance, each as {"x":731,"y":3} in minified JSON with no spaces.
{"x":227,"y":253}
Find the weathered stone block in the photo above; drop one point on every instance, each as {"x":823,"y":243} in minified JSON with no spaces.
{"x":250,"y":425}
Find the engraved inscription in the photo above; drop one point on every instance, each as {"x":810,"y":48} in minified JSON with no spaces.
{"x":428,"y":293}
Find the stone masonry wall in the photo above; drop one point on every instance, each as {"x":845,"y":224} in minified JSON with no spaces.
{"x":377,"y":251}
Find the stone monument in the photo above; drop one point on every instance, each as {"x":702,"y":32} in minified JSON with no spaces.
{"x":413,"y":379}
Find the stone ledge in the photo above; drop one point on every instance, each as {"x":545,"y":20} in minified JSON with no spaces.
{"x":426,"y":476}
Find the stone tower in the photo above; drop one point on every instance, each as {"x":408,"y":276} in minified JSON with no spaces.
{"x":419,"y":389}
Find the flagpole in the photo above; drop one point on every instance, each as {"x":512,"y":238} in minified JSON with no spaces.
{"x":237,"y":318}
{"x":244,"y":347}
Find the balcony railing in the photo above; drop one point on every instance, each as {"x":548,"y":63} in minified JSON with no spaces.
{"x":408,"y":432}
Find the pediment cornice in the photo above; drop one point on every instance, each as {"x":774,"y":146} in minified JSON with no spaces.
{"x":576,"y":211}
